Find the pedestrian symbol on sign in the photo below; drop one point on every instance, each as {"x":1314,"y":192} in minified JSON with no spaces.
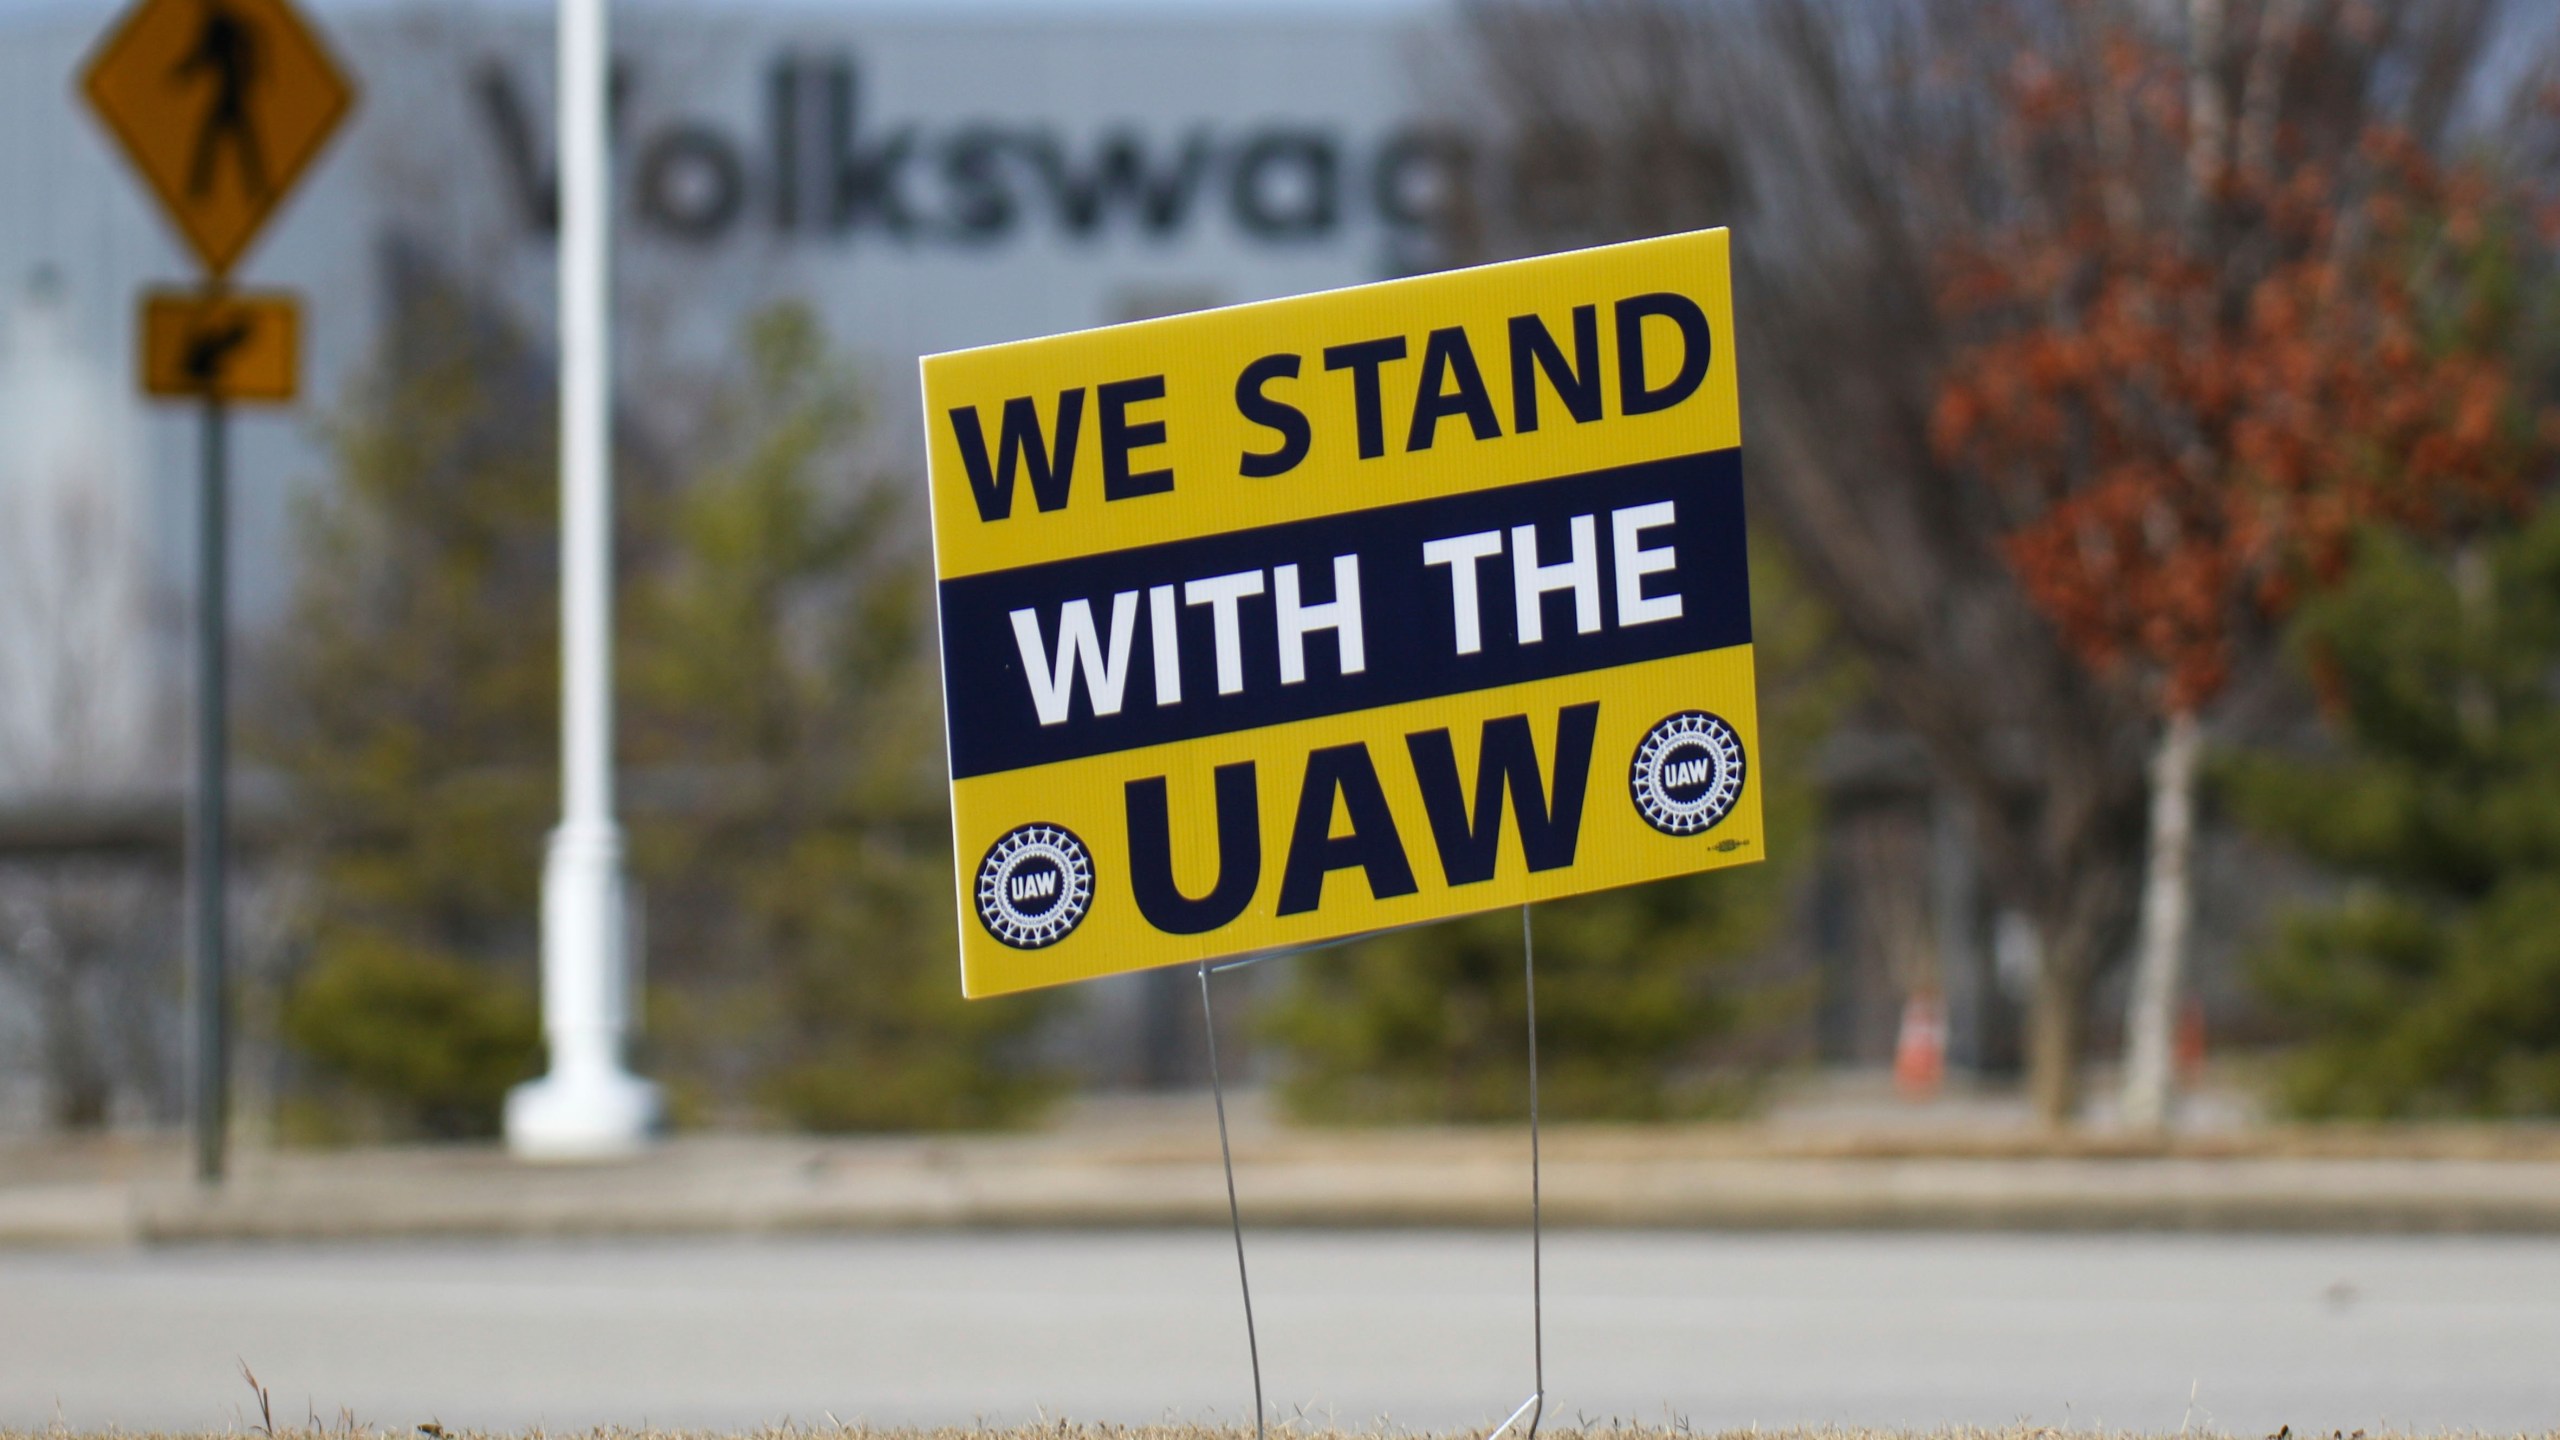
{"x":225,"y":52}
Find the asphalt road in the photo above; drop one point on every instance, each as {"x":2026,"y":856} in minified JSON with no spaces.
{"x":2238,"y":1334}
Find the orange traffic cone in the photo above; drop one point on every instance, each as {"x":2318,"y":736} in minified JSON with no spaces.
{"x":1920,"y":1051}
{"x":2189,"y":1051}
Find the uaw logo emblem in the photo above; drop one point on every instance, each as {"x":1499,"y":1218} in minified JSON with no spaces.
{"x":1687,"y":774}
{"x":1034,"y":886}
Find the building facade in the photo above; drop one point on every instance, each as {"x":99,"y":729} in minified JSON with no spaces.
{"x":926,"y":178}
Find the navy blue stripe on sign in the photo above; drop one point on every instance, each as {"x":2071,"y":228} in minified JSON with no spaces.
{"x":1000,"y":667}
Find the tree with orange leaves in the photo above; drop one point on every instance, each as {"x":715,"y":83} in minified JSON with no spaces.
{"x":2193,"y":376}
{"x":1857,"y":148}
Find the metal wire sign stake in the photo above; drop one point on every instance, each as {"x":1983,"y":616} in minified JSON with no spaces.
{"x":1235,"y":1216}
{"x":1535,"y":1406}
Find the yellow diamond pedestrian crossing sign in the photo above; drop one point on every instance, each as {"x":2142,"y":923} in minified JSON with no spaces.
{"x":221,"y":104}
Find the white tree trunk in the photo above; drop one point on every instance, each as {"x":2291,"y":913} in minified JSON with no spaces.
{"x":2475,"y":587}
{"x":2151,"y":1017}
{"x":2208,"y":109}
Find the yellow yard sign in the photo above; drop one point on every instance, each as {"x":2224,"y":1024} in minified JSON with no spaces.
{"x":1272,"y":625}
{"x":221,"y":104}
{"x":229,"y":346}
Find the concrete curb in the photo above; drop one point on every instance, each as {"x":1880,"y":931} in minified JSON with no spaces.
{"x":1423,"y":1178}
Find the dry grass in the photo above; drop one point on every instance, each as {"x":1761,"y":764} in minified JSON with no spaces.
{"x":346,"y":1428}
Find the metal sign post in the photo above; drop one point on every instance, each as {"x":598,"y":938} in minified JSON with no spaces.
{"x":220,"y":105}
{"x":209,"y":839}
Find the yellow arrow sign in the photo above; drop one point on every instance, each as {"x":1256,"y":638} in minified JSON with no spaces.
{"x":221,"y":347}
{"x":221,"y":104}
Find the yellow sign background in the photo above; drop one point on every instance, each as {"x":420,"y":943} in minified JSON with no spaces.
{"x":1200,"y":357}
{"x":1617,"y":847}
{"x":257,"y":339}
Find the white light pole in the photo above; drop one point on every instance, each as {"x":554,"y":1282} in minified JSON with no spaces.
{"x":588,"y":1105}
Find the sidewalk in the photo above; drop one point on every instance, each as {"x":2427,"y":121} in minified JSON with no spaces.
{"x":1157,"y":1164}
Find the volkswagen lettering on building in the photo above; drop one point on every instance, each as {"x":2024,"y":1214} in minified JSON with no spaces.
{"x":920,"y":177}
{"x":824,"y":164}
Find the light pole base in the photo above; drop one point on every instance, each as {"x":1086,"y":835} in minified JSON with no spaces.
{"x":589,"y":1107}
{"x":583,"y":1114}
